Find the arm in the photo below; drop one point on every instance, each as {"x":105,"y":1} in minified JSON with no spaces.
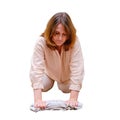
{"x":38,"y":99}
{"x":37,"y":65}
{"x":77,"y":73}
{"x":76,"y":67}
{"x":73,"y":99}
{"x":36,"y":73}
{"x":74,"y":95}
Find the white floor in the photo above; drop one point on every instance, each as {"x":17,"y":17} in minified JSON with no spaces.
{"x":98,"y":28}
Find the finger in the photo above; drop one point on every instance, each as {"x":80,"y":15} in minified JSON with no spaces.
{"x":76,"y":104}
{"x":43,"y":105}
{"x":36,"y":105}
{"x":73,"y":104}
{"x":67,"y":103}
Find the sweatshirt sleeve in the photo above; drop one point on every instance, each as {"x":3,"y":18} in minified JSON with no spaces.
{"x":37,"y":65}
{"x":76,"y":67}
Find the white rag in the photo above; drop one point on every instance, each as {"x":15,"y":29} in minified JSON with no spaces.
{"x":56,"y":105}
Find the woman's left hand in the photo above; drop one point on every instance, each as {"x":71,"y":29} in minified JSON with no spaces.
{"x":72,"y":103}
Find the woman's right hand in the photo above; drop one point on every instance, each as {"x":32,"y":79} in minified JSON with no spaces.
{"x":40,"y":104}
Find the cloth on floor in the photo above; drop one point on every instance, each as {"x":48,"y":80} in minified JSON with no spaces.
{"x":56,"y":105}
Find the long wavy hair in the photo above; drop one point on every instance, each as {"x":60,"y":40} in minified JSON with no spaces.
{"x":64,"y":19}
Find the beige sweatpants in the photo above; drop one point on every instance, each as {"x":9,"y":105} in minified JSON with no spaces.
{"x":48,"y":84}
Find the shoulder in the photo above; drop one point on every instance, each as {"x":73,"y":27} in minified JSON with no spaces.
{"x":41,"y":41}
{"x":77,"y":42}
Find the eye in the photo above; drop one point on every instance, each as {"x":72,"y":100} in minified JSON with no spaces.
{"x":56,"y":33}
{"x":64,"y":34}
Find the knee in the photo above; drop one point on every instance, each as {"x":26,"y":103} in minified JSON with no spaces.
{"x":64,"y":88}
{"x":46,"y":89}
{"x":47,"y":83}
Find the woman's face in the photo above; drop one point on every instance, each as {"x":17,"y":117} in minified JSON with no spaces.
{"x":60,"y":35}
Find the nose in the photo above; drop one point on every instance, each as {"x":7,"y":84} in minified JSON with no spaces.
{"x":60,"y":37}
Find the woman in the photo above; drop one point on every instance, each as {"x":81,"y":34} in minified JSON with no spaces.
{"x":57,"y":57}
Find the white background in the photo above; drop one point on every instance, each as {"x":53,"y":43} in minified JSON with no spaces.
{"x":98,"y":27}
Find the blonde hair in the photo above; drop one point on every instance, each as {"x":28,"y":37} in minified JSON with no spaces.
{"x":65,"y":20}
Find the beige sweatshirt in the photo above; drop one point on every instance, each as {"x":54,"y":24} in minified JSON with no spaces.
{"x":67,"y":66}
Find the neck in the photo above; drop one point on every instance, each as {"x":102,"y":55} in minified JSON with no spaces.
{"x":59,"y":49}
